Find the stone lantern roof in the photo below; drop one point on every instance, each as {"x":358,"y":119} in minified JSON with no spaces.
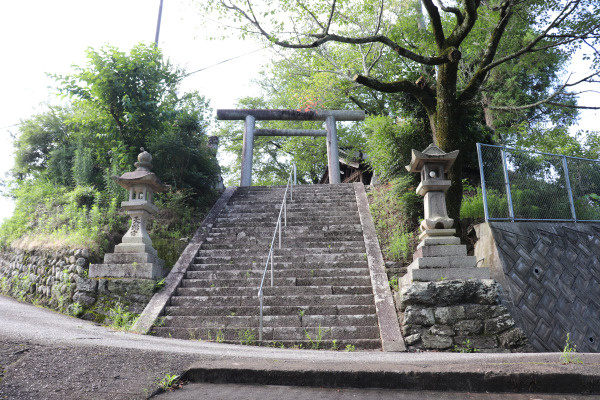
{"x":142,"y":175}
{"x":431,"y":154}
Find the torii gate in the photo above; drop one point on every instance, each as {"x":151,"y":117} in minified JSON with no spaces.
{"x":329,"y":116}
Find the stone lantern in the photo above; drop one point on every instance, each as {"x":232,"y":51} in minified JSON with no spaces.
{"x":433,"y":164}
{"x":439,"y":255}
{"x":135,"y":257}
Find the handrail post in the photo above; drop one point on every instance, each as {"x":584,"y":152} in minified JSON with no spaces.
{"x":272,"y":257}
{"x":284,"y":212}
{"x":260,"y":329}
{"x":279,"y":223}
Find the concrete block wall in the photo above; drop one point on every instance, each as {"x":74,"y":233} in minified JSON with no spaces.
{"x":550,"y":275}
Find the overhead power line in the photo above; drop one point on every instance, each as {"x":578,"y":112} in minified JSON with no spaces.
{"x":224,"y":61}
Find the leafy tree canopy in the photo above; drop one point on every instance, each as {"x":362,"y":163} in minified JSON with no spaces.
{"x":119,"y":102}
{"x":450,"y":56}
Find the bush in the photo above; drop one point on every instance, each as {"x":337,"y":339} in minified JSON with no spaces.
{"x":396,"y":210}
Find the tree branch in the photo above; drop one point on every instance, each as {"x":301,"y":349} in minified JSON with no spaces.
{"x":459,"y":17}
{"x":479,"y":76}
{"x":423,"y":95}
{"x":462,"y":29}
{"x":436,"y":23}
{"x":326,"y":29}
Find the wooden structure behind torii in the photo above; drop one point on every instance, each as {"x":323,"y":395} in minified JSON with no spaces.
{"x":328,"y":116}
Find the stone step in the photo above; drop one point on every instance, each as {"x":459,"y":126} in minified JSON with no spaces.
{"x":284,"y":251}
{"x":274,"y":209}
{"x":444,"y":262}
{"x":223,"y":244}
{"x":239,"y":321}
{"x":292,"y":334}
{"x":459,"y":250}
{"x":292,"y":217}
{"x":237,"y":335}
{"x":438,"y":274}
{"x":280,"y":267}
{"x":246,"y":236}
{"x":281,"y":291}
{"x":247,"y":281}
{"x":295,"y":301}
{"x":290,"y":272}
{"x":317,"y":259}
{"x":315,"y":223}
{"x":312,"y":203}
{"x":290,"y":229}
{"x":271,"y":310}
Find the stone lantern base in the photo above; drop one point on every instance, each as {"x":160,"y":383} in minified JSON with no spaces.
{"x":439,"y":257}
{"x":134,"y":258}
{"x":129,"y":265}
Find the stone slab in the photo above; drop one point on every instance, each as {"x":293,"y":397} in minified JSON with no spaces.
{"x":436,"y":233}
{"x":432,"y":275}
{"x":389,"y":327}
{"x":439,"y":240}
{"x":444,"y":262}
{"x":135,"y":271}
{"x":135,"y":248}
{"x":130,"y":258}
{"x":459,"y":250}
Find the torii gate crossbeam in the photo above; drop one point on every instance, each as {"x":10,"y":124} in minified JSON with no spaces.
{"x":328,"y":116}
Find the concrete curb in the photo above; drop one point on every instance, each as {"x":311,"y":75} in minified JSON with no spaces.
{"x":389,"y":327}
{"x":460,"y":378}
{"x":158,"y":302}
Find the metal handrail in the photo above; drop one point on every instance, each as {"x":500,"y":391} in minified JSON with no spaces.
{"x":282,"y":210}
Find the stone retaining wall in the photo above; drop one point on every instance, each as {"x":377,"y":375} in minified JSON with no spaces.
{"x":58,"y":280}
{"x":550,"y":273}
{"x":457,"y":315}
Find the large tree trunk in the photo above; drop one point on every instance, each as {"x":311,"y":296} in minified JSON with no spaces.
{"x":445,"y":124}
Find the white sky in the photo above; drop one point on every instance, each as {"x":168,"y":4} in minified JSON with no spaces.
{"x":40,"y":36}
{"x":48,"y":36}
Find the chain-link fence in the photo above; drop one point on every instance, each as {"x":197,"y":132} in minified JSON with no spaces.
{"x":524,"y":185}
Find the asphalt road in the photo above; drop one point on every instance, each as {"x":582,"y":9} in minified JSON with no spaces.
{"x":47,"y":355}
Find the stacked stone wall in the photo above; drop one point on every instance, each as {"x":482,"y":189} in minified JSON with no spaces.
{"x":59,"y":280}
{"x":457,"y":315}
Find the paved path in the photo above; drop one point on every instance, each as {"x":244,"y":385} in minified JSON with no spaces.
{"x":44,"y":354}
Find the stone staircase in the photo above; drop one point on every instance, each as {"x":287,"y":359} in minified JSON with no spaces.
{"x":322,"y":294}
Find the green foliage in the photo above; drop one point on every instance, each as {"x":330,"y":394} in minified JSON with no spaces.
{"x":396,"y":209}
{"x":389,"y":143}
{"x":350,"y":348}
{"x":120,"y":318}
{"x":568,"y":354}
{"x":466,"y":347}
{"x":393,"y":282}
{"x":247,"y":337}
{"x":169,"y":382}
{"x":315,"y":343}
{"x":66,"y":156}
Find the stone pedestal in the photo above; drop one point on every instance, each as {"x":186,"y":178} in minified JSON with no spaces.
{"x":440,"y":256}
{"x":135,"y":257}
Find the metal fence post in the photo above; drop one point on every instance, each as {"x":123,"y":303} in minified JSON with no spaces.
{"x":483,"y":189}
{"x":569,"y":191}
{"x":511,"y":211}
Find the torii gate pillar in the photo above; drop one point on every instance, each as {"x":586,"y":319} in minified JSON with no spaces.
{"x":330,"y":117}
